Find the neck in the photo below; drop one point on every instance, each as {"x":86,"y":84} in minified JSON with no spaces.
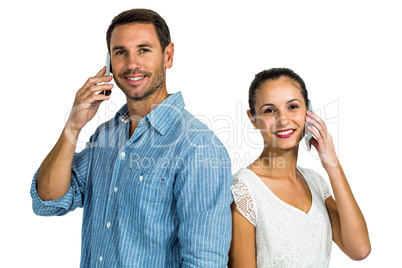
{"x":274,"y":162}
{"x":138,"y":109}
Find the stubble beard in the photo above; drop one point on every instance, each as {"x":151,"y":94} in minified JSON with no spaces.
{"x":156,"y":81}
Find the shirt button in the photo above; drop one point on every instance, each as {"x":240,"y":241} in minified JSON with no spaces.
{"x":100,"y":258}
{"x":123,"y":154}
{"x":108,"y":225}
{"x":116,"y":189}
{"x":140,"y":178}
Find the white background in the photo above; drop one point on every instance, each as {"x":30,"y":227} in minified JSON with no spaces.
{"x":348,"y":52}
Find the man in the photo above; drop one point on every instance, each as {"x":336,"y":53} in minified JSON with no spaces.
{"x":154,"y":182}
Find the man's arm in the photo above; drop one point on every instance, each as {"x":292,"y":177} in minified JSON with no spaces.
{"x":203,"y":205}
{"x":54,"y":174}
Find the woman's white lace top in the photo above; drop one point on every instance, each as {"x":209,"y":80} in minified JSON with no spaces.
{"x":285,"y":235}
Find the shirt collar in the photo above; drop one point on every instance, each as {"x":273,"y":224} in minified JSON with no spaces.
{"x":122,"y":114}
{"x":162,"y":116}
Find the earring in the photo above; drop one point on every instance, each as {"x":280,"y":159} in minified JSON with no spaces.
{"x":255,"y":127}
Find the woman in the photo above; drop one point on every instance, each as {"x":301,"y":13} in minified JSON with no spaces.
{"x":284,"y":215}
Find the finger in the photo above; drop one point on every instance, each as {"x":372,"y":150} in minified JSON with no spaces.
{"x":97,"y":80}
{"x":94,"y":100}
{"x":318,"y":125}
{"x":321,"y":133}
{"x":93,"y":81}
{"x":101,"y":72}
{"x":100,"y":77}
{"x":99,"y":88}
{"x":106,"y":92}
{"x":315,"y":117}
{"x":316,"y":134}
{"x":99,"y":97}
{"x":95,"y":90}
{"x":85,"y":102}
{"x":89,"y":105}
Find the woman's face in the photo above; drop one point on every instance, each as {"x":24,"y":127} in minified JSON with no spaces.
{"x":280,"y":113}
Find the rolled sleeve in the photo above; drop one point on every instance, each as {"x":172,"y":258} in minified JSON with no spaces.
{"x":72,"y":199}
{"x":203,"y":206}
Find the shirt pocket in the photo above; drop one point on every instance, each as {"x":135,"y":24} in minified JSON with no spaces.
{"x":142,"y":198}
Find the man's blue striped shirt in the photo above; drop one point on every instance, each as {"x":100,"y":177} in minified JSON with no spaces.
{"x":160,"y":198}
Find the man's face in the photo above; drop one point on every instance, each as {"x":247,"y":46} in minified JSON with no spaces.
{"x":137,"y":60}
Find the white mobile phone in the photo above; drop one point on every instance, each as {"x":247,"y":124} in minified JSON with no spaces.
{"x":308,"y":135}
{"x":107,"y":64}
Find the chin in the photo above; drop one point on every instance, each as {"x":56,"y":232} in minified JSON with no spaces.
{"x":286,"y":146}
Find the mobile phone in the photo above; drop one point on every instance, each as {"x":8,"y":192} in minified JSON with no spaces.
{"x":308,"y":135}
{"x":107,"y":64}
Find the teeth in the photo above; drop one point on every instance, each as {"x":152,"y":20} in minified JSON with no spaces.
{"x":135,"y":78}
{"x":284,"y":132}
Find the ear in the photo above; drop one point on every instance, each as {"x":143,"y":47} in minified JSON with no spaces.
{"x":252,"y":119}
{"x":168,"y":55}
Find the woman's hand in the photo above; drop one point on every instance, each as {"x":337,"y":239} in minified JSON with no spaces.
{"x":322,"y":141}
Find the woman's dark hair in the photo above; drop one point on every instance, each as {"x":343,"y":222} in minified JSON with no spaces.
{"x":140,"y":15}
{"x":273,"y":74}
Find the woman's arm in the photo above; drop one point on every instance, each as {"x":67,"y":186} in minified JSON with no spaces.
{"x":242,"y":248}
{"x":349,"y":228}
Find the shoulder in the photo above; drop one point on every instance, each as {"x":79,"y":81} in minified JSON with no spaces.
{"x":310,"y":174}
{"x":245,"y":180}
{"x":103,"y":132}
{"x":243,"y":196}
{"x":196,"y":136}
{"x":243,"y":175}
{"x":194,"y":127}
{"x":120,"y":118}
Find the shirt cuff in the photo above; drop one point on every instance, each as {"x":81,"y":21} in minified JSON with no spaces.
{"x":50,"y":207}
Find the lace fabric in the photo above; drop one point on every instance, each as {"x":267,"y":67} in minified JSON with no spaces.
{"x":243,"y":200}
{"x":285,"y":235}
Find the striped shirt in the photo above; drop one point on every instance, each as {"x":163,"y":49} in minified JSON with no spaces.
{"x":160,"y":198}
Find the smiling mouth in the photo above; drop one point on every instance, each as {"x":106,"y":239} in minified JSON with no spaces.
{"x":135,"y":81}
{"x":135,"y":78}
{"x":284,"y":133}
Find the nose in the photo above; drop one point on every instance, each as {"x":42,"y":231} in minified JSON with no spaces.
{"x":133,"y":62}
{"x":282,"y":121}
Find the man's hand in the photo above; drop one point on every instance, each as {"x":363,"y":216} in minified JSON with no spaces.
{"x":54,"y":176}
{"x":87,"y":101}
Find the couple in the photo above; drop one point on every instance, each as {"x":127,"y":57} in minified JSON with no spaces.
{"x":181,"y":214}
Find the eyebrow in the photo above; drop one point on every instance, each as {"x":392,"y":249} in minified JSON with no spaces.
{"x":144,"y":45}
{"x":118,"y":48}
{"x":139,"y":46}
{"x":270,"y":104}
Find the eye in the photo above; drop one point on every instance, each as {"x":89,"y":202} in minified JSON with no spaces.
{"x":144,"y":50}
{"x":293,"y":106}
{"x":119,"y":52}
{"x":269,"y":110}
